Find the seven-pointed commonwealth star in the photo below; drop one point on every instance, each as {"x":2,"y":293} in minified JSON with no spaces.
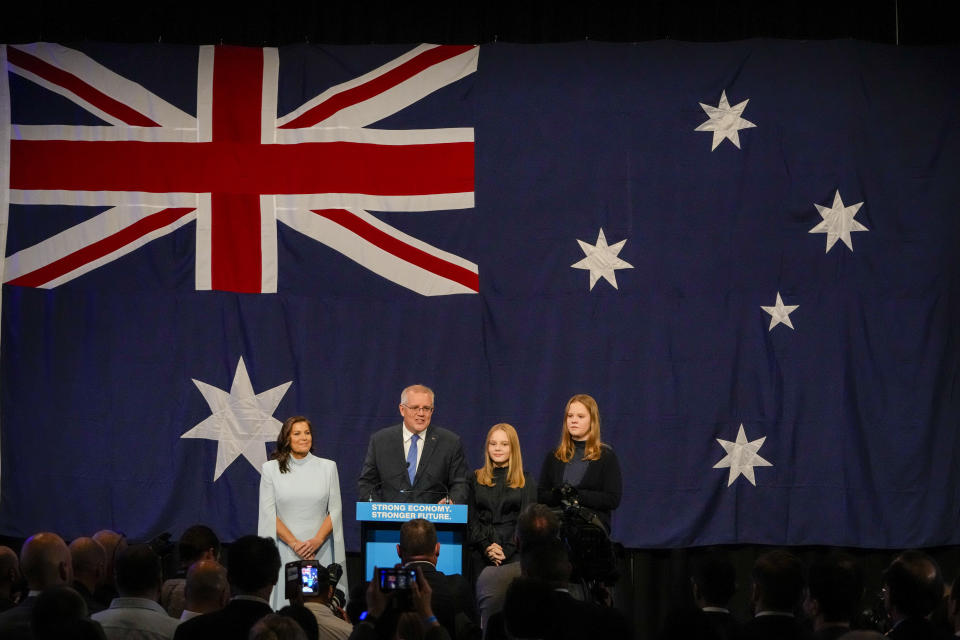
{"x":838,"y":222}
{"x":725,"y":121}
{"x":780,"y":313}
{"x":742,"y":457}
{"x":241,"y":420}
{"x":602,"y":260}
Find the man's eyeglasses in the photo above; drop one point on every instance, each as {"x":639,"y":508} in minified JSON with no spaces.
{"x":419,"y":409}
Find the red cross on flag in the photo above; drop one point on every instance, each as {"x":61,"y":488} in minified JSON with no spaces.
{"x":236,"y":168}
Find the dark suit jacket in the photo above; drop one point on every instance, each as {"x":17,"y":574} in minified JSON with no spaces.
{"x":442,"y":470}
{"x":774,"y":628}
{"x":93,"y":605}
{"x":599,"y":490}
{"x":830,"y":633}
{"x":563,"y":617}
{"x":451,"y":596}
{"x":15,"y":622}
{"x":696,"y":624}
{"x":233,"y":622}
{"x":917,"y":629}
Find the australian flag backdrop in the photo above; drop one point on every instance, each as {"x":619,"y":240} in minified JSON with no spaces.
{"x":747,"y":252}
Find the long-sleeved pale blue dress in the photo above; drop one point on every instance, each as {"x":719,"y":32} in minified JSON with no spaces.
{"x":302,"y":498}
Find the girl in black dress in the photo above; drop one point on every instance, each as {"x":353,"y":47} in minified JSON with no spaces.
{"x":499,"y":490}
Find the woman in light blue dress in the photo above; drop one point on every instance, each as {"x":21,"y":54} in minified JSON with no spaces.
{"x":300,"y":504}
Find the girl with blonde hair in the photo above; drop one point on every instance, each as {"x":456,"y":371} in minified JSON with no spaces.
{"x":499,"y":490}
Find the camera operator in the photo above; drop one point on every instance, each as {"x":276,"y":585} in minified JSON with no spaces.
{"x":590,"y":549}
{"x":539,"y":603}
{"x":422,"y":623}
{"x":321,"y":598}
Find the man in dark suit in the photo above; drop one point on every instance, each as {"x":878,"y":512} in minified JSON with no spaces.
{"x":537,"y":524}
{"x":777,"y":589}
{"x":713,"y":582}
{"x":253,"y":564}
{"x":539,"y":605}
{"x":912,"y":589}
{"x":451,"y":597}
{"x":44,"y":562}
{"x":89,"y":563}
{"x":834,"y":590}
{"x":413,"y":461}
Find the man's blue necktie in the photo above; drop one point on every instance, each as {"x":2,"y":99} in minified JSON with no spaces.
{"x":412,"y":458}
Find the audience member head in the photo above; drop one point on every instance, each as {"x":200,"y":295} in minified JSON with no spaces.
{"x":953,"y":605}
{"x":912,"y":586}
{"x":253,"y":565}
{"x":274,"y":626}
{"x":45,"y":561}
{"x":198,"y":542}
{"x":357,"y":602}
{"x":524,"y":596}
{"x":9,"y":572}
{"x":863,"y":634}
{"x":777,"y":581}
{"x":418,"y":541}
{"x":548,"y":562}
{"x":834,"y":589}
{"x":714,"y":579}
{"x":138,"y":572}
{"x":325,"y":588}
{"x":537,"y":523}
{"x":60,"y":613}
{"x":303,"y":617}
{"x":89,"y":562}
{"x":113,"y":543}
{"x":206,"y":590}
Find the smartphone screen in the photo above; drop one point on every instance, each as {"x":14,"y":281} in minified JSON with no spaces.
{"x":308,"y":580}
{"x":396,"y":579}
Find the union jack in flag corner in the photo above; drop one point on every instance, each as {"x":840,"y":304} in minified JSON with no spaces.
{"x":746,"y":252}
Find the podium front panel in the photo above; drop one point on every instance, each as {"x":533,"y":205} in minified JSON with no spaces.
{"x":380,"y":533}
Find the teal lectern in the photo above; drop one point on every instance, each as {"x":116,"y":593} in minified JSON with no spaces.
{"x":380,"y":532}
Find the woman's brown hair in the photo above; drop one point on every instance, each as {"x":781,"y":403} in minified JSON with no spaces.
{"x":282,"y":454}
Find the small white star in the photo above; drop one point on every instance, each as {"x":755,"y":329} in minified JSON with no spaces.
{"x":780,"y":313}
{"x":742,"y":457}
{"x":725,"y":121}
{"x":240,"y":421}
{"x":602,"y":260}
{"x":838,"y":222}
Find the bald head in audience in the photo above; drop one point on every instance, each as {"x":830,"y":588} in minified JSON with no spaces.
{"x":9,"y":576}
{"x":45,"y":561}
{"x":206,"y":588}
{"x":913,"y":586}
{"x":89,"y":562}
{"x":113,"y":544}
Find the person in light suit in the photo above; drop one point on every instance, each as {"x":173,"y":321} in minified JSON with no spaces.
{"x":414,"y":461}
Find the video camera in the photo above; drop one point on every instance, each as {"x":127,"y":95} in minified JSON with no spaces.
{"x":307,"y":578}
{"x":587,"y":540}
